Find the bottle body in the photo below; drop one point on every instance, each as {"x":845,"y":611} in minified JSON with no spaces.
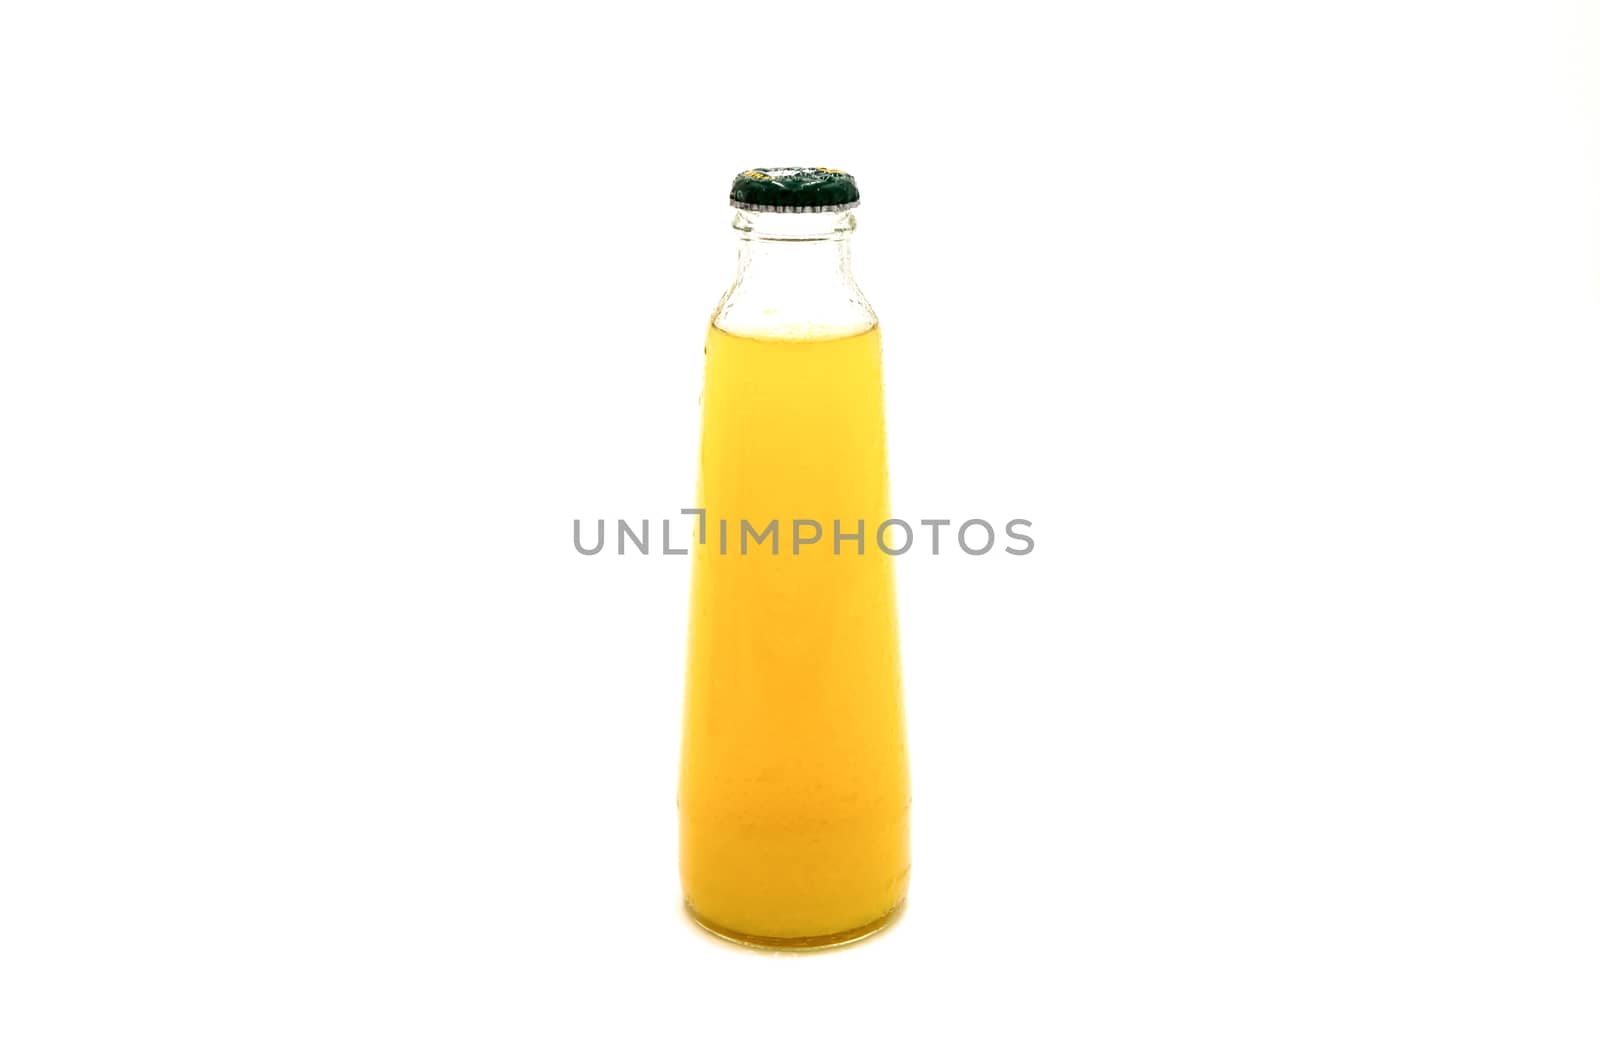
{"x":794,"y":790}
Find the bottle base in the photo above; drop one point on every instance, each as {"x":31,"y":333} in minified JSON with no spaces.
{"x":798,"y":945}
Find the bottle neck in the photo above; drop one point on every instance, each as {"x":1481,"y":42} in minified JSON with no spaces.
{"x":794,"y":276}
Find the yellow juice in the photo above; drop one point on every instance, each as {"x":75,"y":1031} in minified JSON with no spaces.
{"x":794,"y":794}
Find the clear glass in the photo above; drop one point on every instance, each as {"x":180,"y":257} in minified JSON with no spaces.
{"x":793,"y":277}
{"x":794,"y":789}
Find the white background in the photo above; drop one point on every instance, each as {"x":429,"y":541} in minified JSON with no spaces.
{"x":320,"y":322}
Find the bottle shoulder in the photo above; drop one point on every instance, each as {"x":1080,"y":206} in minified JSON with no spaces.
{"x":797,"y":314}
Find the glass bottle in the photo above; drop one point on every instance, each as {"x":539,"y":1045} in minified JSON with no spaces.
{"x":794,"y":789}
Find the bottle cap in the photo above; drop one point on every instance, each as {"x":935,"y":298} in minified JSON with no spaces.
{"x":794,"y":189}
